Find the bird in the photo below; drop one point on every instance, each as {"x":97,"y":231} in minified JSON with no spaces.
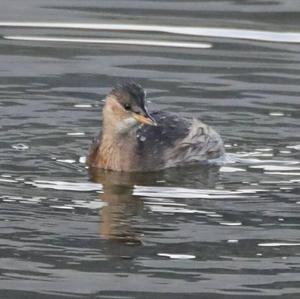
{"x":133,"y":140}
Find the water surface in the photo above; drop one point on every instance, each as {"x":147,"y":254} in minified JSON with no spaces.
{"x":227,"y":231}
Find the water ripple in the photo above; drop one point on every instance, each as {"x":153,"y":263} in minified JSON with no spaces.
{"x":278,"y":244}
{"x":135,"y":42}
{"x":66,"y":186}
{"x":232,"y":33}
{"x":238,"y":224}
{"x":148,"y":191}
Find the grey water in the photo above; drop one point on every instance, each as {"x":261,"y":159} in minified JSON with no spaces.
{"x":217,"y":231}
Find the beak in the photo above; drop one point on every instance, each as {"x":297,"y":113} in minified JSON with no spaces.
{"x":147,"y":119}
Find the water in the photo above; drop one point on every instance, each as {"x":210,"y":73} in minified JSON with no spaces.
{"x":227,"y":231}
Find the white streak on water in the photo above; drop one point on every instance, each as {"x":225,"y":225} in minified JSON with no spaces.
{"x":20,"y":147}
{"x":148,"y":191}
{"x":168,"y":192}
{"x":276,"y":167}
{"x":63,"y":207}
{"x":245,"y":158}
{"x":296,"y":147}
{"x":135,"y":42}
{"x":8,"y":181}
{"x":82,"y":160}
{"x":283,"y":173}
{"x":285,"y":152}
{"x":276,"y":114}
{"x":264,"y":149}
{"x":70,"y":161}
{"x":83,"y":105}
{"x":231,"y":169}
{"x":95,"y":204}
{"x":176,"y":210}
{"x":167,"y":204}
{"x":277,"y":244}
{"x":67,"y":186}
{"x":30,"y":199}
{"x":177,"y":256}
{"x":232,"y":33}
{"x":231,"y":223}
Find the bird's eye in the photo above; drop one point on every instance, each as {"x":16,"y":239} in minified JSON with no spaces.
{"x":127,"y":106}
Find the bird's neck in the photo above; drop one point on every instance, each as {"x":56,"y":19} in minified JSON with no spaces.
{"x":117,"y":145}
{"x":109,"y":153}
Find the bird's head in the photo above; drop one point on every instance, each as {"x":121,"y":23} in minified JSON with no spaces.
{"x":125,"y":107}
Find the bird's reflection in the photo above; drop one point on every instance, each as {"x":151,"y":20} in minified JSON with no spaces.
{"x":123,"y":216}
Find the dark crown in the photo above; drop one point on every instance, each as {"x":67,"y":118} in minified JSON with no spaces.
{"x":132,"y":88}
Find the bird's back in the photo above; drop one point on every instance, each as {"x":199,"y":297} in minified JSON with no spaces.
{"x":175,"y":142}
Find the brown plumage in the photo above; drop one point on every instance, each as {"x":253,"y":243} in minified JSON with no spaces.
{"x":133,"y":140}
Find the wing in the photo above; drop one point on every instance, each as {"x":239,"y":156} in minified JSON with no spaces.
{"x":177,"y":141}
{"x":201,"y":144}
{"x":170,"y":128}
{"x":154,"y":141}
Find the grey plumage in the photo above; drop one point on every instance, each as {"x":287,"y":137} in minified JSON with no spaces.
{"x":175,"y":142}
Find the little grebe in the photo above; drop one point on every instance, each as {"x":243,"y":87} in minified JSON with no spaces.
{"x":133,"y":140}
